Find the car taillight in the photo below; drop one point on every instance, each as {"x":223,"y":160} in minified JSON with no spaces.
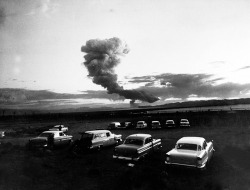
{"x":199,"y":161}
{"x":167,"y":158}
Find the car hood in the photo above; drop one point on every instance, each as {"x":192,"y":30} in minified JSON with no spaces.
{"x":36,"y":139}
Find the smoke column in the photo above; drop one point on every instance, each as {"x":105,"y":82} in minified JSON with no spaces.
{"x":102,"y":56}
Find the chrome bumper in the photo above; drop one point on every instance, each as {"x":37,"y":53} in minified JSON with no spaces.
{"x":186,"y":165}
{"x":125,"y":158}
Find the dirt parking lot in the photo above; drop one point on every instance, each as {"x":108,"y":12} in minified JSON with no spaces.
{"x":60,"y":169}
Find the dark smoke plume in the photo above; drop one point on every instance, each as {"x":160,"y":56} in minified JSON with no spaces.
{"x":102,"y":56}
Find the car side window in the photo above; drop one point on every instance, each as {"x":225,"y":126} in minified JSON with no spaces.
{"x":108,"y":134}
{"x":103,"y":135}
{"x":97,"y":136}
{"x":204,"y":145}
{"x":148,"y":140}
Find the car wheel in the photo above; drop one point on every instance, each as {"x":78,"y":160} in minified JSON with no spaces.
{"x":99,"y":147}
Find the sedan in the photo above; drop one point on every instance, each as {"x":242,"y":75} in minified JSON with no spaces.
{"x":190,"y":152}
{"x":170,"y":123}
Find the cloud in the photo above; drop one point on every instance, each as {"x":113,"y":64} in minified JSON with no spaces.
{"x":217,"y":62}
{"x":168,"y":87}
{"x":102,"y":56}
{"x":16,"y":95}
{"x":45,"y":7}
{"x":243,"y":68}
{"x":181,"y":86}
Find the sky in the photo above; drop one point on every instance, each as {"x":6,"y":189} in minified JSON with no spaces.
{"x":179,"y":50}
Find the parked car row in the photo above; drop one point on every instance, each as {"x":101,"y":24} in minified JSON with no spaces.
{"x":188,"y":151}
{"x":152,"y":125}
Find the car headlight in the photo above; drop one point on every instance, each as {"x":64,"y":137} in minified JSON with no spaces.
{"x":199,"y":161}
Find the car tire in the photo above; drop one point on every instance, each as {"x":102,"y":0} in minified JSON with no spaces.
{"x":99,"y":148}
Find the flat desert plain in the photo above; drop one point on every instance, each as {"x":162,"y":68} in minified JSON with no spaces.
{"x":23,"y":169}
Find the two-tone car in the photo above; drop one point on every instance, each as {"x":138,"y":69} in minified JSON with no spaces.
{"x":190,"y":152}
{"x":114,"y":125}
{"x":136,"y":146}
{"x":96,"y":139}
{"x":50,"y":139}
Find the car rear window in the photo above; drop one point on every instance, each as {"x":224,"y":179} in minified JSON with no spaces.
{"x":87,"y":136}
{"x":133,"y":141}
{"x":185,"y":146}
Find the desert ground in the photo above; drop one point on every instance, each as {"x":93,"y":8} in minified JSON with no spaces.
{"x":23,"y":169}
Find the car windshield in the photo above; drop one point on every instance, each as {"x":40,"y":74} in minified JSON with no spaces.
{"x":170,"y":122}
{"x":45,"y":134}
{"x":184,"y":120}
{"x":54,"y":129}
{"x":140,"y":122}
{"x":133,"y":141}
{"x":87,"y":136}
{"x":185,"y":146}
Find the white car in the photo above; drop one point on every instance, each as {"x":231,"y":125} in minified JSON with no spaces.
{"x":170,"y":123}
{"x":190,"y":152}
{"x":141,"y":125}
{"x":59,"y":128}
{"x":155,"y":125}
{"x":114,"y":125}
{"x":184,"y":123}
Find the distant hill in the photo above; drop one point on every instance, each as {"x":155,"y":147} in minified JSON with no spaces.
{"x":188,"y":104}
{"x":202,"y":103}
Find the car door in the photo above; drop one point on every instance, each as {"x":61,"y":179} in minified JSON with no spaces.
{"x":105,"y":139}
{"x":64,"y":139}
{"x":148,"y":144}
{"x":110,"y":139}
{"x":209,"y":149}
{"x":57,"y":139}
{"x":98,"y":140}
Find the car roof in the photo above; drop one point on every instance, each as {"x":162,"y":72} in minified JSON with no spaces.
{"x":139,"y":136}
{"x":52,"y":132}
{"x":191,"y":140}
{"x":59,"y":125}
{"x":97,"y":131}
{"x":155,"y":121}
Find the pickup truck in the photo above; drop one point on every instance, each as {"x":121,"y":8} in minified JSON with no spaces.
{"x":96,"y":139}
{"x":50,"y":139}
{"x":136,"y":146}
